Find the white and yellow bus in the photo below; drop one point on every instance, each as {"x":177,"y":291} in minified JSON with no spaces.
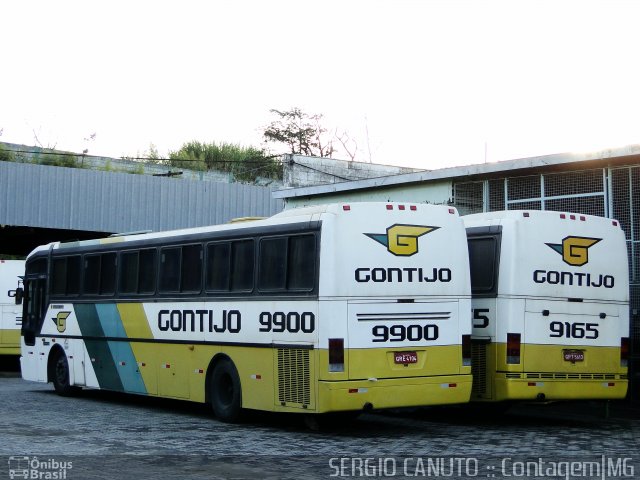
{"x":323,"y":309}
{"x":550,"y":306}
{"x":10,"y":310}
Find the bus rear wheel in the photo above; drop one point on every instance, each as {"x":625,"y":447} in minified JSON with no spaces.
{"x":59,"y":375}
{"x":226,"y":392}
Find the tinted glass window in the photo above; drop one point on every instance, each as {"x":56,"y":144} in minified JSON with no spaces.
{"x":108,"y":274}
{"x":74,"y":267}
{"x":483,"y":262}
{"x":217,"y":271}
{"x":129,"y":272}
{"x":170,"y":270}
{"x":301,"y":263}
{"x":91,"y":274}
{"x":147,"y":271}
{"x":273,"y":264}
{"x":66,"y":275}
{"x":242,"y":259}
{"x":59,"y":276}
{"x":191,"y":268}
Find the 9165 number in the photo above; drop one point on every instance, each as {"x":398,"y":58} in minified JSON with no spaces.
{"x":400,"y":333}
{"x":573,"y":330}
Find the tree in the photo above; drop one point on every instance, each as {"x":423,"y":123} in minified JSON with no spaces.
{"x":300,"y":132}
{"x":6,"y":155}
{"x":244,"y":163}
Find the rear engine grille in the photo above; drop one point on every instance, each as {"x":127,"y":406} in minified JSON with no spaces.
{"x":294,"y":382}
{"x":479,"y":368}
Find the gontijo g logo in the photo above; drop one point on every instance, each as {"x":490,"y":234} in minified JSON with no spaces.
{"x":574,"y":250}
{"x":402,"y":240}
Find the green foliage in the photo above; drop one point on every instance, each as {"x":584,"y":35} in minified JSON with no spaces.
{"x":152,"y":156}
{"x":6,"y":155}
{"x":300,"y":132}
{"x":244,"y":163}
{"x":58,"y":160}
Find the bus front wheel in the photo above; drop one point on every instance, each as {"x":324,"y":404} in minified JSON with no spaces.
{"x":226,"y":393}
{"x":59,"y":375}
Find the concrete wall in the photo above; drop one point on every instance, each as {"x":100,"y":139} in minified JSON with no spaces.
{"x":434,"y":193}
{"x":303,"y":171}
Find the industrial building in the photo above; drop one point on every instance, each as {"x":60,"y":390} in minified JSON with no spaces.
{"x":604,"y":183}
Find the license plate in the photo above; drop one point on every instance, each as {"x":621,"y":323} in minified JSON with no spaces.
{"x":405,"y":357}
{"x":573,"y":356}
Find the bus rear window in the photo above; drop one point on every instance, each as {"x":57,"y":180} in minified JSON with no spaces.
{"x":483,"y":260}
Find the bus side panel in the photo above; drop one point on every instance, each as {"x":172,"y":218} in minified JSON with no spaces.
{"x":10,"y":313}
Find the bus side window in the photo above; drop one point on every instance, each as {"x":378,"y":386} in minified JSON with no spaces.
{"x":66,"y":274}
{"x":217,"y":267}
{"x":242,"y":265}
{"x":301,"y":263}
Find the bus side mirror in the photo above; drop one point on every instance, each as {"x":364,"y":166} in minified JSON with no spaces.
{"x":18,"y":294}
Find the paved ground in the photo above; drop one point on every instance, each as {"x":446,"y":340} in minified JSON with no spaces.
{"x":107,"y":435}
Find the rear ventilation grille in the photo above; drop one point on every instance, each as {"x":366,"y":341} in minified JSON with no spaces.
{"x":568,"y":376}
{"x":479,"y":368}
{"x":294,"y":383}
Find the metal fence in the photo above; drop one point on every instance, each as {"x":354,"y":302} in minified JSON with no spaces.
{"x":606,"y":192}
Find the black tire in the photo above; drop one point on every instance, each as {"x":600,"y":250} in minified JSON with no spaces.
{"x":60,"y":375}
{"x":226,"y":392}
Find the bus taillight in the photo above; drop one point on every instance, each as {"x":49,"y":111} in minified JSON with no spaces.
{"x":336,"y":355}
{"x":624,"y":352}
{"x":466,"y":350}
{"x":513,"y":348}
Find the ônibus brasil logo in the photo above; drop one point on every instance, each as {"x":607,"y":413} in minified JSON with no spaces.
{"x":402,"y":240}
{"x":574,"y":250}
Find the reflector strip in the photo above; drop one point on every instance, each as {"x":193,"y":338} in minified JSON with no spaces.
{"x":448,"y":385}
{"x":535,"y":384}
{"x":358,"y":390}
{"x":198,"y":370}
{"x":256,"y":377}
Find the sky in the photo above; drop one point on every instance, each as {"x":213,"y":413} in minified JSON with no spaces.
{"x":424,"y":84}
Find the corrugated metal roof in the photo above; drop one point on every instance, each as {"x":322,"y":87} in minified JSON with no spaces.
{"x":464,"y":171}
{"x":67,"y":198}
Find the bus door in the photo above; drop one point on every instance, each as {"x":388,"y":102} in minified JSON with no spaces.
{"x":34,"y":309}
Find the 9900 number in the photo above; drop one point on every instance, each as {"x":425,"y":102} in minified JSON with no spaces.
{"x":573,"y":330}
{"x":287,"y":322}
{"x":400,"y":333}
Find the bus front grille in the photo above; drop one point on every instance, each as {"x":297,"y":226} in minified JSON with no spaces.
{"x":294,"y":382}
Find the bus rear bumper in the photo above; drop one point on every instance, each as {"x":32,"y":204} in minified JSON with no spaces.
{"x":560,"y":389}
{"x":393,"y":393}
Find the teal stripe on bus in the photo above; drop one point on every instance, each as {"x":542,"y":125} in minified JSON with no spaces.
{"x":124,"y":359}
{"x":99,"y":353}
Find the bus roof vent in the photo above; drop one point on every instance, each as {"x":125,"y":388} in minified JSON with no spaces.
{"x":126,"y":234}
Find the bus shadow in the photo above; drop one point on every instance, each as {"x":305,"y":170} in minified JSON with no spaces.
{"x":569,"y":414}
{"x":561,"y":414}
